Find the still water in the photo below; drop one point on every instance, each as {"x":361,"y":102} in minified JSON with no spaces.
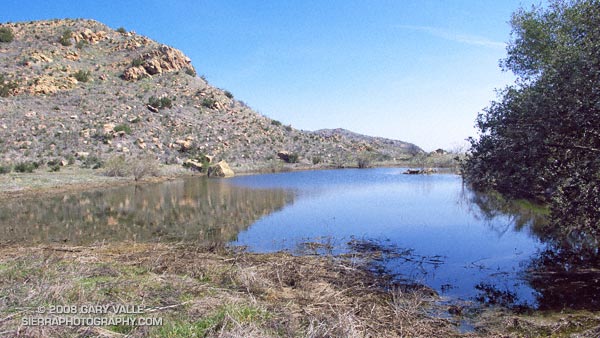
{"x":461,"y":249}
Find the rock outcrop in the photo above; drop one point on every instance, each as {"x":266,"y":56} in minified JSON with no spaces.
{"x":161,"y":60}
{"x":89,"y":36}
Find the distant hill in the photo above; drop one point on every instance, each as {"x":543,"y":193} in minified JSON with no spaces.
{"x":77,"y":88}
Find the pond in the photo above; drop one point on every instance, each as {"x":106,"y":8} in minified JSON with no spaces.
{"x":442,"y":234}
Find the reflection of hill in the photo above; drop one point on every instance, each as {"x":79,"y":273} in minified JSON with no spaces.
{"x":190,"y":209}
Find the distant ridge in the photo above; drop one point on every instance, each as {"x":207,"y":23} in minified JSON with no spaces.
{"x":373,"y":140}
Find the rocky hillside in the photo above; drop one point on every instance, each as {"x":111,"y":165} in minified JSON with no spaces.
{"x":71,"y":89}
{"x":384,"y":144}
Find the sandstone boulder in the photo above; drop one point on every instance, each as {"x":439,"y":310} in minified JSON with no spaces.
{"x":184,"y":144}
{"x":194,"y":165}
{"x":134,"y":73}
{"x":220,"y":169}
{"x":108,"y":128}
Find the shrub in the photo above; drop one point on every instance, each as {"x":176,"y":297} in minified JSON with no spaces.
{"x":53,"y":162}
{"x":293,"y":158}
{"x":123,"y":127}
{"x":92,"y":162}
{"x":6,"y":34}
{"x":82,"y":75}
{"x":121,"y":30}
{"x":144,"y":166}
{"x":203,"y":159}
{"x":54,"y":168}
{"x":25,"y":167}
{"x":116,"y":166}
{"x":5,"y":169}
{"x":275,"y":123}
{"x":166,"y":102}
{"x":163,"y":102}
{"x":190,"y":71}
{"x":363,"y":162}
{"x":81,"y":44}
{"x":137,"y":62}
{"x":208,"y":103}
{"x":316,"y":160}
{"x":65,"y":39}
{"x":154,"y":102}
{"x":6,"y":87}
{"x":288,"y":127}
{"x":228,"y":94}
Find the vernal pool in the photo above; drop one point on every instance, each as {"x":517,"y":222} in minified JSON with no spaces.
{"x":462,"y":249}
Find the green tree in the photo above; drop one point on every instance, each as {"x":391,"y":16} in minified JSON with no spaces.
{"x":541,"y":138}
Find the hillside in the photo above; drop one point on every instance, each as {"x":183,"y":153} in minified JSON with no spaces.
{"x":73,"y":89}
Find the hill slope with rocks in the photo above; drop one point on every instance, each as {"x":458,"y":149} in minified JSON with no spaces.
{"x":74,"y":89}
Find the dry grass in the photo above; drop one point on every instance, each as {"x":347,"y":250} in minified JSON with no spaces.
{"x":209,"y":291}
{"x":212,"y":291}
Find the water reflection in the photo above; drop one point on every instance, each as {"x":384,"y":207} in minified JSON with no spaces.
{"x":564,"y":273}
{"x":464,"y":244}
{"x":186,"y":209}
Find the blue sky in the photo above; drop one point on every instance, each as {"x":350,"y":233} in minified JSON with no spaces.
{"x":417,"y":70}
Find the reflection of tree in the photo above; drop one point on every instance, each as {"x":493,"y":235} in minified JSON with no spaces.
{"x":491,"y":207}
{"x":566,"y":274}
{"x":489,"y":294}
{"x":564,"y":277}
{"x":190,"y":209}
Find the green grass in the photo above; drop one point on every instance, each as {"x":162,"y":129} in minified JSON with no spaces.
{"x":242,"y":314}
{"x":123,"y":329}
{"x":91,"y":283}
{"x":123,"y":127}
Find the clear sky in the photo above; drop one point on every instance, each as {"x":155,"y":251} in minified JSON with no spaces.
{"x":414,"y":70}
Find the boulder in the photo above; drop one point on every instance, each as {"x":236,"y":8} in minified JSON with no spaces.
{"x":134,"y":73}
{"x":284,"y":155}
{"x":184,"y":144}
{"x":194,"y":165}
{"x":220,"y":169}
{"x":108,"y":128}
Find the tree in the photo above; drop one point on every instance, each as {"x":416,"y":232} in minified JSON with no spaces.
{"x":541,"y":138}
